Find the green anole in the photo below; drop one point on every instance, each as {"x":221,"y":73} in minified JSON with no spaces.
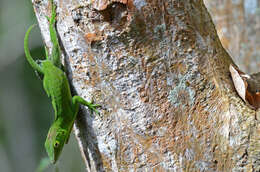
{"x":56,"y":85}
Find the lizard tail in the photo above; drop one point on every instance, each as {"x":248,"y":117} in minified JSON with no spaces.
{"x":28,"y":56}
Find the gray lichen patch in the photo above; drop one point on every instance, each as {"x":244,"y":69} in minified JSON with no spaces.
{"x":182,"y":94}
{"x":183,"y":81}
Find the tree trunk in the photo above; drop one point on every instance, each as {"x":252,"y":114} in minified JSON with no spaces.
{"x":161,"y":75}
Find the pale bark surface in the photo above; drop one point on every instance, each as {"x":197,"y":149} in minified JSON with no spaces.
{"x":238,"y":27}
{"x":161,"y":75}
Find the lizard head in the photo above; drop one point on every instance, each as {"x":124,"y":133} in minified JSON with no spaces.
{"x":55,"y":140}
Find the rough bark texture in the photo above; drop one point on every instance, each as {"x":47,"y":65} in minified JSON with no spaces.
{"x":161,"y":75}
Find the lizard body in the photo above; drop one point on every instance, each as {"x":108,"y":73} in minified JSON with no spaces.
{"x":56,"y":85}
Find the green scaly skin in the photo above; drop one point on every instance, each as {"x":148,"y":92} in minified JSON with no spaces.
{"x":56,"y":85}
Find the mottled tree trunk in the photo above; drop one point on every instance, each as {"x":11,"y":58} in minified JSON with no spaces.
{"x":161,"y":75}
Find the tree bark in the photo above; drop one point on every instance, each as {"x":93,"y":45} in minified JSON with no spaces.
{"x":161,"y":75}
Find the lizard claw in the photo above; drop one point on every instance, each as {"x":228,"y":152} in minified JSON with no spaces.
{"x":48,"y":18}
{"x":93,"y":107}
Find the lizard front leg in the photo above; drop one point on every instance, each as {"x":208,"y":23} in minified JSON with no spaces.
{"x":76,"y":100}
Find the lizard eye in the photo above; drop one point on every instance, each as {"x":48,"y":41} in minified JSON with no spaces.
{"x":56,"y":144}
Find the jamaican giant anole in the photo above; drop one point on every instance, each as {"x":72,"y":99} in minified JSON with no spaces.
{"x":56,"y":85}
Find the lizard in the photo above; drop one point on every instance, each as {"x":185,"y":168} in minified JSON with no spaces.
{"x":56,"y":85}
